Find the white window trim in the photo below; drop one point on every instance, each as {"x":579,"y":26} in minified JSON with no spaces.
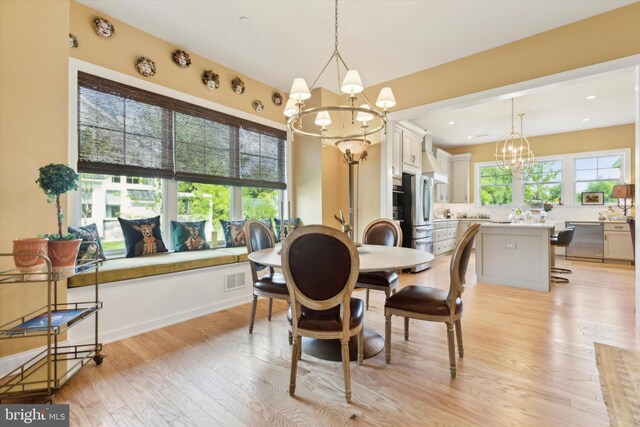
{"x":514,"y":188}
{"x":568,"y":175}
{"x":170,"y":186}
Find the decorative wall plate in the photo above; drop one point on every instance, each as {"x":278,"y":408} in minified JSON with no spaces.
{"x":258,"y":106}
{"x":104,"y":28}
{"x":277,"y":99}
{"x":181,"y":58}
{"x":73,"y":41}
{"x":145,"y":66}
{"x":237,"y":85}
{"x":211,"y":80}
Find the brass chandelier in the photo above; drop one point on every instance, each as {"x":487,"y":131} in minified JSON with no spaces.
{"x":350,"y":140}
{"x":513,"y":152}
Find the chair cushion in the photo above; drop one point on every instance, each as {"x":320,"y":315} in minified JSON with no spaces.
{"x":378,"y":278}
{"x":423,"y":300}
{"x":273,"y":283}
{"x":329,"y":320}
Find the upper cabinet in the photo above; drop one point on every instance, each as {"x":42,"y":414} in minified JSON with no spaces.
{"x":460,"y":165}
{"x":411,"y":149}
{"x":406,"y":152}
{"x":443,"y":191}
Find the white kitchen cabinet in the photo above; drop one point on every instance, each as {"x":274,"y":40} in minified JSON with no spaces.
{"x":396,"y":156}
{"x":411,"y":149}
{"x":444,"y":237}
{"x":460,"y":165}
{"x":617,"y":242}
{"x":443,"y":191}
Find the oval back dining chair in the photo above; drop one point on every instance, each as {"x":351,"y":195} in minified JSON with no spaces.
{"x":434,"y":304}
{"x":320,"y":266}
{"x":270,"y":285}
{"x":383,"y":232}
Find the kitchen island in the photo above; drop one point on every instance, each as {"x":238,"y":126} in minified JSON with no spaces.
{"x":516,"y":255}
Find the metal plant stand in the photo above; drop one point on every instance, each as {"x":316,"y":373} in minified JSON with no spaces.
{"x":51,"y":368}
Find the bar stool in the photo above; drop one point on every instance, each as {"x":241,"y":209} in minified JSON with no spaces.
{"x":562,"y":239}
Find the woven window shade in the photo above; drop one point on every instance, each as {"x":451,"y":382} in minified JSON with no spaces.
{"x":216,"y":148}
{"x":125,"y":130}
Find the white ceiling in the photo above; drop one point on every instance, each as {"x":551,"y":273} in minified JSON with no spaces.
{"x":548,"y":110}
{"x":383,"y":39}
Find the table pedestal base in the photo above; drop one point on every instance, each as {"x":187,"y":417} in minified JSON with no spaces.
{"x":331,"y":349}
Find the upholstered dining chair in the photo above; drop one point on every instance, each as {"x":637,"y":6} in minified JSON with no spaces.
{"x":383,"y":232}
{"x":270,"y":285}
{"x":320,"y":266}
{"x":435,"y":305}
{"x":632,"y":230}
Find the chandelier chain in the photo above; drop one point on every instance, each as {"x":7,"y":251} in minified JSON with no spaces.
{"x":336,"y":27}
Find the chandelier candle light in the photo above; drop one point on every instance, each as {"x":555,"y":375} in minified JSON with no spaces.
{"x":351,"y":86}
{"x":513,"y":152}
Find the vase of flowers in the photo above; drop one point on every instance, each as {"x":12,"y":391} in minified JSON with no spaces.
{"x":548,"y":207}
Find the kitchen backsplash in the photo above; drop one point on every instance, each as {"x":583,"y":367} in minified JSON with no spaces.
{"x":559,"y":213}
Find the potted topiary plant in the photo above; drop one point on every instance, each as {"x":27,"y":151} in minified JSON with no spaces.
{"x":55,"y":180}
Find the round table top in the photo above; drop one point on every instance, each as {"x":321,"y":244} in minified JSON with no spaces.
{"x":372,"y":258}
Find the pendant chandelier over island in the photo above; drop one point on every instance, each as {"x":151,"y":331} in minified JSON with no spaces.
{"x":513,"y":152}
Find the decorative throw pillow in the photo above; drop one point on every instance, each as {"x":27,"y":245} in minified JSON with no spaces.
{"x":89,"y":235}
{"x":188,"y":236}
{"x":142,"y":236}
{"x":295,"y":223}
{"x":233,"y":233}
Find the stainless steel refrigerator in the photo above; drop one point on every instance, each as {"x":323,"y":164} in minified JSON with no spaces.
{"x":417,"y":229}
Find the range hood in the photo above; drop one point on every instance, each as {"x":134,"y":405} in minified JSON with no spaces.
{"x":431,"y":168}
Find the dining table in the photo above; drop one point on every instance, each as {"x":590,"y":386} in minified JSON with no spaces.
{"x":372,"y":258}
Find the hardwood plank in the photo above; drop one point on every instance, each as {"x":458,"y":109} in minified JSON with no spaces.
{"x":529,"y":360}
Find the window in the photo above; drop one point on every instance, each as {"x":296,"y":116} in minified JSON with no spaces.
{"x":545,"y":182}
{"x":598,"y":174}
{"x":105,"y":199}
{"x":209,"y":202}
{"x":260,"y":203}
{"x":134,"y":145}
{"x":495,"y":186}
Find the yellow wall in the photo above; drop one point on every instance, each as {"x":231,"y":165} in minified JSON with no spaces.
{"x":33,"y":132}
{"x":562,"y":143}
{"x":605,"y":37}
{"x":320,"y":177}
{"x":120,"y":52}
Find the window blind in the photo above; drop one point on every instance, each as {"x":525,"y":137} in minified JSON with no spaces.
{"x":122,"y":129}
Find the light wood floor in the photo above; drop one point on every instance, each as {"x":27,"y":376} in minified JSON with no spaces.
{"x":529,"y":360}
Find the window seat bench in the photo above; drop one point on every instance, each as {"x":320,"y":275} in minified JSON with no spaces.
{"x":119,"y":269}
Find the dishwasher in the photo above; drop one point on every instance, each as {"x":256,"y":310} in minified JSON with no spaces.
{"x":588,"y":241}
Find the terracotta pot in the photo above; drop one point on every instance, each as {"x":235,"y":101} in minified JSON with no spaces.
{"x":33,"y":246}
{"x":63,"y":254}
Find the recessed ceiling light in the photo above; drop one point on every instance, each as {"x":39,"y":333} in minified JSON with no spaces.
{"x":590,"y":97}
{"x":469,"y":137}
{"x":243,"y":19}
{"x":452,"y":123}
{"x":585,"y":120}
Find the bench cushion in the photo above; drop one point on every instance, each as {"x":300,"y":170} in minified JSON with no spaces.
{"x":116,"y":270}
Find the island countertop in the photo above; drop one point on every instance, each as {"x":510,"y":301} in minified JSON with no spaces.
{"x":548,"y":224}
